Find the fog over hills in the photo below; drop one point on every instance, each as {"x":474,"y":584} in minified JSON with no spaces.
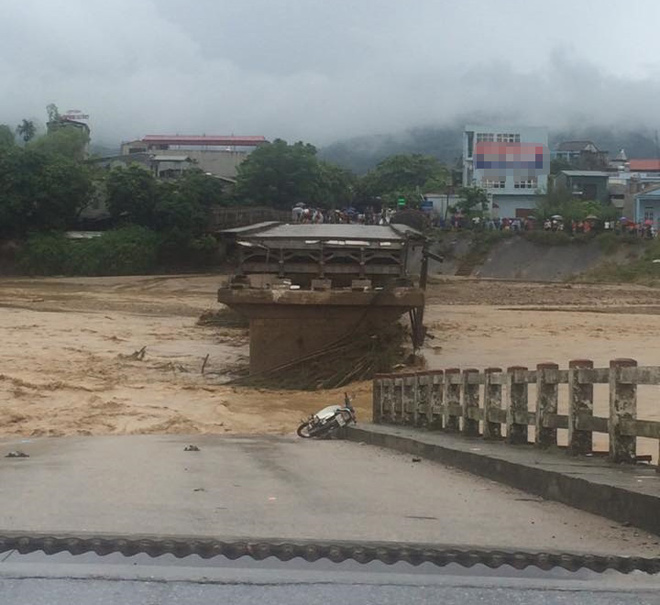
{"x":360,"y":154}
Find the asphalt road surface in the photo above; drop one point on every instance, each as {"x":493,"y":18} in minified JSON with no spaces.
{"x":63,"y":579}
{"x":289,"y":488}
{"x":282,"y":487}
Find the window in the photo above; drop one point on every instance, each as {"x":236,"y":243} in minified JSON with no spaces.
{"x":485,"y":137}
{"x":526,"y":184}
{"x":508,"y":138}
{"x":493,"y":184}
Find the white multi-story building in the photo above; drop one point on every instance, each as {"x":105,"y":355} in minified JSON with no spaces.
{"x":510,"y":163}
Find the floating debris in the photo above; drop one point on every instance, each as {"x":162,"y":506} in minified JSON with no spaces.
{"x":17,"y":454}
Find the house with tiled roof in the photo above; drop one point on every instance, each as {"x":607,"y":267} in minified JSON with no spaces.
{"x":576,"y":152}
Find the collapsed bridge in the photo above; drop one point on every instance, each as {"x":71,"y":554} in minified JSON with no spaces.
{"x":307,"y":289}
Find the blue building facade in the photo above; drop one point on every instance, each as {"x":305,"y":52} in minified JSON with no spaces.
{"x":510,"y":163}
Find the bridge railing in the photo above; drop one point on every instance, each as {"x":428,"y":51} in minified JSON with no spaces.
{"x":236,"y":216}
{"x":494,"y":404}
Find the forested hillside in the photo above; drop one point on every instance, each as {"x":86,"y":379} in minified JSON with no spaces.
{"x":361,"y":154}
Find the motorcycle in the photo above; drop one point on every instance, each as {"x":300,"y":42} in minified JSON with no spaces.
{"x":328,"y":420}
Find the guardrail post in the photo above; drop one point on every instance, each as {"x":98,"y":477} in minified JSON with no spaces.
{"x":470,"y":404}
{"x":423,"y":399}
{"x":547,"y":391}
{"x":452,"y":397}
{"x":377,"y":399}
{"x":492,"y":401}
{"x":437,"y":386}
{"x":623,"y":406}
{"x":517,"y":408}
{"x":397,"y":403}
{"x":580,"y":404}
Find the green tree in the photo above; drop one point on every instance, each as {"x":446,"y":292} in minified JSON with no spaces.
{"x":404,"y":176}
{"x":280,"y":175}
{"x":67,"y":142}
{"x":132,"y":195}
{"x":6,"y":136}
{"x":26,"y":130}
{"x":473,"y":201}
{"x":399,"y":172}
{"x":53,"y":112}
{"x":40,"y":192}
{"x":336,"y":186}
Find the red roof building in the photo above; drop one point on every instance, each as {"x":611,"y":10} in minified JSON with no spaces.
{"x":211,"y":141}
{"x":644,"y":165}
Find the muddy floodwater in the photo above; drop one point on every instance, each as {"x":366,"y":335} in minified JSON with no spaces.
{"x":124,"y":355}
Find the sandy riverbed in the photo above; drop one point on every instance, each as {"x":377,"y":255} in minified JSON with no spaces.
{"x":67,"y":363}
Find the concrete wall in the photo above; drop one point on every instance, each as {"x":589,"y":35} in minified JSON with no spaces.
{"x":219,"y":162}
{"x":509,"y":204}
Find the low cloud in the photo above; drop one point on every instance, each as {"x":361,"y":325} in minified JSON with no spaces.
{"x":316,"y":71}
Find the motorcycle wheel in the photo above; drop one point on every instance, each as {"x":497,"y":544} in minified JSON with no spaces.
{"x":303,"y":431}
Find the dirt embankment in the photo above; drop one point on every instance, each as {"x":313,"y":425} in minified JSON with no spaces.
{"x":515,"y":257}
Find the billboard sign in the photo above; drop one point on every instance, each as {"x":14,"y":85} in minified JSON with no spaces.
{"x":75,"y":115}
{"x":524,"y":159}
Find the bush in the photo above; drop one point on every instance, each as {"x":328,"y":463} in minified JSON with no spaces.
{"x":128,"y":251}
{"x":608,"y":242}
{"x":639,"y":271}
{"x":548,"y":238}
{"x":44,"y":254}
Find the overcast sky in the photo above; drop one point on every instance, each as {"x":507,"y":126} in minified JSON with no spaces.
{"x":320,"y":70}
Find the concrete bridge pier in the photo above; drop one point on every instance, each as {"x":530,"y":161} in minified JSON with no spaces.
{"x":287,"y":325}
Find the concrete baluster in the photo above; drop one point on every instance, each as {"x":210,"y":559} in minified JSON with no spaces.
{"x":580,"y":405}
{"x":492,"y":401}
{"x":390,"y":398}
{"x":377,"y":399}
{"x":452,"y":397}
{"x":436,"y":399}
{"x":547,"y":391}
{"x":623,"y":406}
{"x":517,"y":406}
{"x":470,"y":403}
{"x":409,"y":382}
{"x":398,"y":400}
{"x":423,"y":399}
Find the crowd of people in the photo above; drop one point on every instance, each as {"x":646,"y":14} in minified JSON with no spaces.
{"x":301,"y":213}
{"x":369,"y":216}
{"x":456,"y":222}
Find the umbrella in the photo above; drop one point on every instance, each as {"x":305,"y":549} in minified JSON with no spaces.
{"x":623,"y":219}
{"x":648,"y":222}
{"x":557,"y":217}
{"x":299,"y":205}
{"x":592,"y":217}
